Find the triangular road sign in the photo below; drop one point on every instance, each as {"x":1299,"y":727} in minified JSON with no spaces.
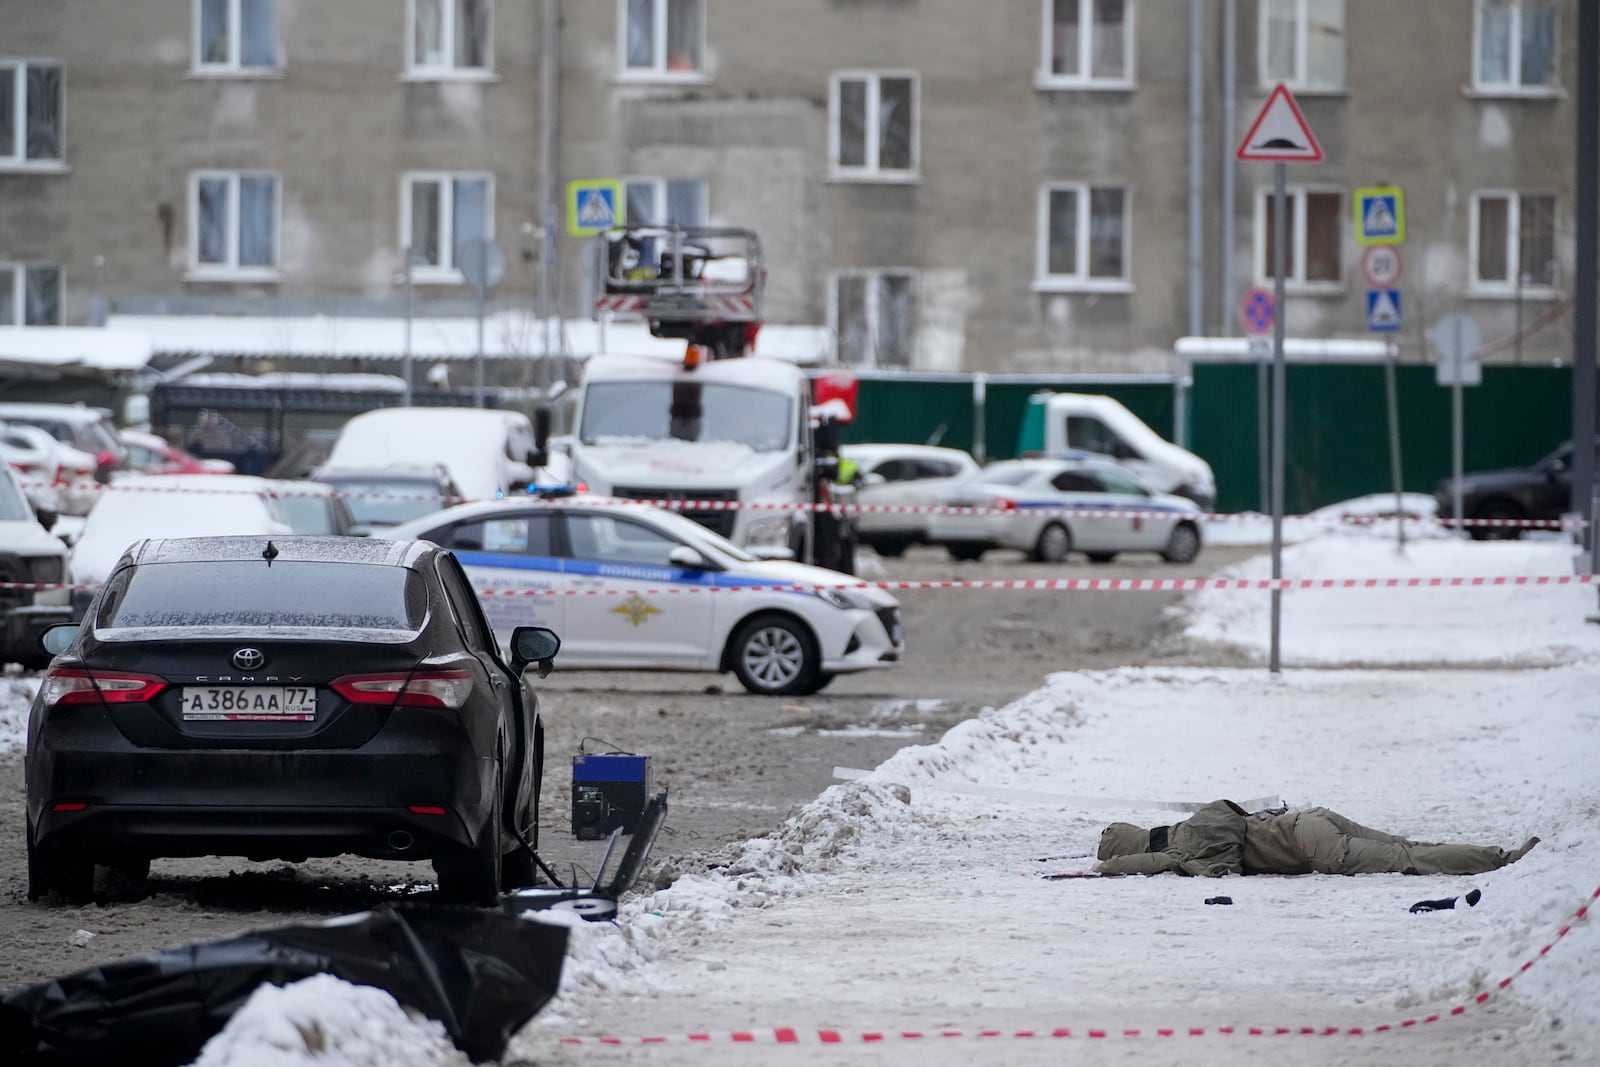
{"x":1280,"y":133}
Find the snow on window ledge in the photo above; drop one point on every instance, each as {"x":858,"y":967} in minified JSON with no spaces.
{"x":653,"y":76}
{"x":1306,"y":90}
{"x":437,"y":276}
{"x":874,"y":177}
{"x":1504,"y":291}
{"x":1056,"y":83}
{"x":1082,"y":285}
{"x":33,"y":166}
{"x":265,"y":74}
{"x":449,"y":74}
{"x":217,"y":273}
{"x":1513,"y":92}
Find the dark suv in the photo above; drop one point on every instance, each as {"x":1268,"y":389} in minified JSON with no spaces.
{"x":1542,"y":491}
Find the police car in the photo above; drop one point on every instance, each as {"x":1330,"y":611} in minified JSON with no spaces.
{"x":629,"y":586}
{"x":1081,"y":502}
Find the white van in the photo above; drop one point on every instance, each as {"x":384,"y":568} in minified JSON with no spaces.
{"x":488,"y":452}
{"x":1057,"y":423}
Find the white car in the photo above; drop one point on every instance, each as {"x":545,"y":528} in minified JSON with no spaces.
{"x":1050,"y":507}
{"x":53,"y":474}
{"x":629,"y":586}
{"x":29,"y":556}
{"x":173,"y":505}
{"x":908,"y":476}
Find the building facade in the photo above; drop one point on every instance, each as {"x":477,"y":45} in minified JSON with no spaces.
{"x":941,"y":185}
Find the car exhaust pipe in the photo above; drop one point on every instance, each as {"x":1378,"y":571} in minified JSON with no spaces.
{"x":400,"y":840}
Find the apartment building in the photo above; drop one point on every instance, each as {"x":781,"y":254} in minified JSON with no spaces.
{"x":940,"y":185}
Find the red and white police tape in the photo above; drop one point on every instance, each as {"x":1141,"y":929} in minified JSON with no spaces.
{"x":669,"y":504}
{"x":1101,"y":585}
{"x":786,"y":1035}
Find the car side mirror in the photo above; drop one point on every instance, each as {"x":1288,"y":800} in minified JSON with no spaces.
{"x":540,"y":453}
{"x":534,"y":645}
{"x":689,"y":558}
{"x":56,"y":639}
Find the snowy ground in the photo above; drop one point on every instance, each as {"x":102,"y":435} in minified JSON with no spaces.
{"x":907,"y":902}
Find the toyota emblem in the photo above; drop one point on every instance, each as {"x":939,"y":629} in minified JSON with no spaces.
{"x":249,"y":659}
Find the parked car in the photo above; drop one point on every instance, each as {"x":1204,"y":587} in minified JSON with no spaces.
{"x":651,"y":573}
{"x":78,"y":425}
{"x":909,"y":476}
{"x":381,"y":497}
{"x":54,"y":475}
{"x":315,"y":509}
{"x":1024,"y":499}
{"x":150,"y":453}
{"x":285,"y":697}
{"x":1540,"y":491}
{"x":29,"y":555}
{"x":172,"y":505}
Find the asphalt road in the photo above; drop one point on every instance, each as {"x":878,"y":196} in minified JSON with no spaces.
{"x":735,"y":766}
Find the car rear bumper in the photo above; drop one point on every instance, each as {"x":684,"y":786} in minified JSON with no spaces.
{"x":256,"y":803}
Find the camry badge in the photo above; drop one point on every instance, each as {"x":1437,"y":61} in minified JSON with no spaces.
{"x":249,"y":659}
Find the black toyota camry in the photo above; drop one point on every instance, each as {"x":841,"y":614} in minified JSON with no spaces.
{"x":280,"y":698}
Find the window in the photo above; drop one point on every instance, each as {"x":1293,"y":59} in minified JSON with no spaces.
{"x":1514,"y":241}
{"x":1514,"y":45}
{"x":615,"y":540}
{"x":30,"y":294}
{"x":873,"y":126}
{"x":1302,"y":43}
{"x":1316,"y":232}
{"x":1083,"y":235}
{"x":1087,"y":41}
{"x":233,"y":224}
{"x":661,"y":201}
{"x":662,"y":38}
{"x":441,"y":214}
{"x":450,"y":37}
{"x":236,"y":35}
{"x":30,"y":112}
{"x":875,"y":317}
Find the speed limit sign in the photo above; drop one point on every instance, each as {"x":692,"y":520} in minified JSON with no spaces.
{"x":1381,"y":265}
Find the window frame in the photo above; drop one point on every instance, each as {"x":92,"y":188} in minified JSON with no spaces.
{"x":443,"y":273}
{"x":14,"y":157}
{"x":1298,"y":81}
{"x":234,"y":67}
{"x":871,"y":172}
{"x":232,"y":271}
{"x":1296,"y":281}
{"x":1514,"y":87}
{"x":874,"y":311}
{"x":658,"y":192}
{"x":1511,"y":288}
{"x":19,"y":292}
{"x":1081,"y":282}
{"x":659,"y":71}
{"x":448,"y":71}
{"x":1046,"y":78}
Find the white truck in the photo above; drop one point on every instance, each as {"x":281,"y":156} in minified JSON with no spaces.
{"x":1056,"y":423}
{"x":721,"y":426}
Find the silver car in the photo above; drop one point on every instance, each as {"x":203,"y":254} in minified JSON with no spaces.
{"x":1050,"y":507}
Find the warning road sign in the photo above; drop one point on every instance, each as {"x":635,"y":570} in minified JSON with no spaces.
{"x":1380,"y":215}
{"x":1280,"y":133}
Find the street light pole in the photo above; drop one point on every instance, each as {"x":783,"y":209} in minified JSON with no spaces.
{"x":1280,"y":267}
{"x":406,"y":363}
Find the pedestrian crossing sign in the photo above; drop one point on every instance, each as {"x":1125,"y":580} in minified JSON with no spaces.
{"x":1380,"y":215}
{"x":593,"y":206}
{"x":1383,"y":310}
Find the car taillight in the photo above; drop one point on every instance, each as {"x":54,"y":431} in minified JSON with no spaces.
{"x":423,"y":689}
{"x":68,"y":686}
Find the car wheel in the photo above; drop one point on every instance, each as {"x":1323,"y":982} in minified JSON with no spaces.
{"x":890,"y":547}
{"x":966,"y":551}
{"x":1183,"y":544}
{"x":1053,"y":545}
{"x":474,"y":877}
{"x":774,"y":655}
{"x":49,"y":871}
{"x":1499,"y":510}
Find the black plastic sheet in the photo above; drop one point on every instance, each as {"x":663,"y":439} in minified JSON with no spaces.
{"x":481,"y":973}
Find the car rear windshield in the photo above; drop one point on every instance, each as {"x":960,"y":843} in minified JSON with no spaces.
{"x":291,"y":594}
{"x":389,"y":502}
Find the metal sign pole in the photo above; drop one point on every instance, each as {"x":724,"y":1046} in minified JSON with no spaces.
{"x":1458,"y":363}
{"x":483,"y":292}
{"x":1392,"y":389}
{"x":1280,"y":265}
{"x":410,"y":294}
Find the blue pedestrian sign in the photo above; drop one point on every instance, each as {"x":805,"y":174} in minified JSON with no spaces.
{"x":593,"y":206}
{"x":1383,"y":310}
{"x":1380,"y":215}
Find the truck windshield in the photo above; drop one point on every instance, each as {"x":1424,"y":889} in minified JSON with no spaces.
{"x":687,"y":411}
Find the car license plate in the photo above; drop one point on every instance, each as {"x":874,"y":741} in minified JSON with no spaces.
{"x":249,"y":702}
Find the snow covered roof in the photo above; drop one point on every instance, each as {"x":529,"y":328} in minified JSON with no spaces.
{"x":74,"y":348}
{"x":1299,"y":349}
{"x":506,"y":335}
